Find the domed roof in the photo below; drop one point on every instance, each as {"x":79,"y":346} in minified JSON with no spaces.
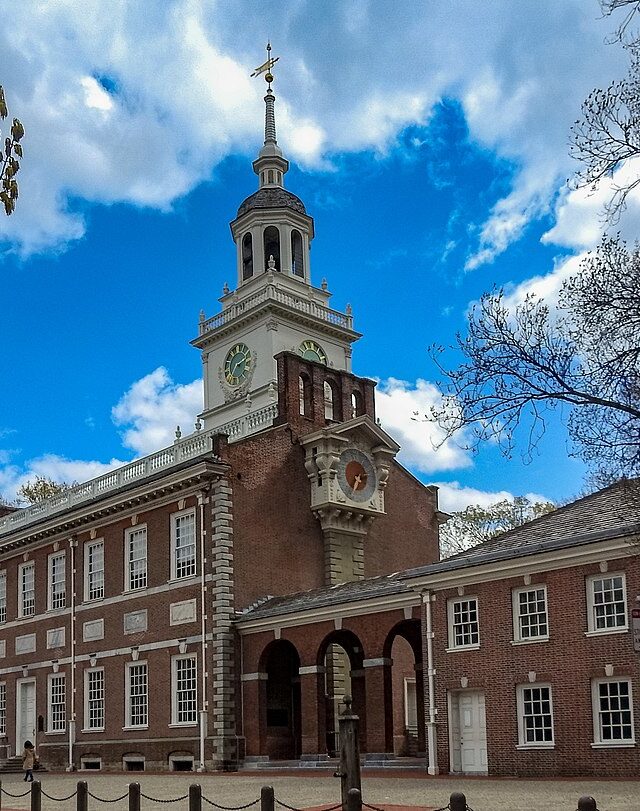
{"x":272,"y":197}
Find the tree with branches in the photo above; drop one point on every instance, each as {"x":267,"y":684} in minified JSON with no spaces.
{"x":584,"y":355}
{"x":9,"y":164}
{"x":40,"y":489}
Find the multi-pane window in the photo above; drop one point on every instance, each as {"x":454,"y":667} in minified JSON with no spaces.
{"x":535,"y":715}
{"x":612,"y":711}
{"x":184,"y":544}
{"x":57,"y":587}
{"x":27,"y":589}
{"x":94,"y":570}
{"x":3,"y":709}
{"x":136,"y":554}
{"x":464,"y":629}
{"x":137,"y":695}
{"x":94,"y":699}
{"x":530,"y":614}
{"x":57,"y":703}
{"x":3,"y":596}
{"x":185,"y":690}
{"x":607,"y":602}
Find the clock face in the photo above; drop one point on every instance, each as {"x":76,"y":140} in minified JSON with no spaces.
{"x":356,"y":475}
{"x":237,"y":364}
{"x":310,"y":350}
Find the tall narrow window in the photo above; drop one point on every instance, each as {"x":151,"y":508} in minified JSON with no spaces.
{"x":304,"y":395}
{"x":183,"y":542}
{"x":270,"y":175}
{"x":57,"y":597}
{"x":535,"y":715}
{"x":3,"y":709}
{"x":247,"y":257}
{"x":328,"y":401}
{"x":612,"y":712}
{"x":94,"y":570}
{"x":3,"y":596}
{"x":185,"y":690}
{"x":57,"y":703}
{"x":607,"y":600}
{"x":94,"y":699}
{"x":271,"y":246}
{"x":357,"y":408}
{"x":27,"y":589}
{"x":136,"y":558}
{"x":297,"y":258}
{"x":137,"y":695}
{"x":530,"y":622}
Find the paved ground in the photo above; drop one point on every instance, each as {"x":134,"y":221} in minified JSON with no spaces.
{"x":303,"y":790}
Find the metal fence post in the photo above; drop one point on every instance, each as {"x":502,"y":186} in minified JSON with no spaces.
{"x":36,"y":796}
{"x":267,"y":798}
{"x":587,"y":804}
{"x":354,"y":800}
{"x":349,"y":753}
{"x":195,"y":797}
{"x":458,"y":801}
{"x":134,"y":797}
{"x":82,"y":797}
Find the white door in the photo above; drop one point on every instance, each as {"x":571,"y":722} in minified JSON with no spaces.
{"x":25,"y":713}
{"x":473,"y":733}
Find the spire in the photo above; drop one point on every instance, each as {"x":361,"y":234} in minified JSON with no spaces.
{"x":270,"y":165}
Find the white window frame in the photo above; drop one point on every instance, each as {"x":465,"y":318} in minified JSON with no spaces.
{"x":409,"y":722}
{"x":517,"y":616}
{"x":598,"y":740}
{"x":54,"y":725}
{"x":523,"y":743}
{"x":129,"y":561}
{"x":87,"y":719}
{"x":88,"y":575}
{"x":175,"y":517}
{"x":3,"y":708}
{"x":22,"y":592}
{"x":591,"y":604}
{"x":174,"y":690}
{"x":86,"y":759}
{"x":129,"y":721}
{"x":3,"y":596}
{"x":451,"y":603}
{"x":51,"y":593}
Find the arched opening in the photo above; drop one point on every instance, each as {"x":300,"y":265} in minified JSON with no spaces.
{"x":329,"y":401}
{"x":406,"y":713}
{"x":341,"y":654}
{"x":270,"y":175}
{"x":297,"y":258}
{"x":282,"y":734}
{"x":304,"y":395}
{"x":272,"y":246}
{"x":247,"y":257}
{"x":357,"y":404}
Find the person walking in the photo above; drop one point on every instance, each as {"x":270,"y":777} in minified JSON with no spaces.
{"x":28,"y":761}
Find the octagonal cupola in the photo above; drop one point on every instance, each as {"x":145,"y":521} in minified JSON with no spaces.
{"x":272,"y":230}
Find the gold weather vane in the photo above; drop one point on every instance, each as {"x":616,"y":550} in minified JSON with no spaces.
{"x":266,"y":67}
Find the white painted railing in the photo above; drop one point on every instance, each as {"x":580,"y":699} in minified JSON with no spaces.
{"x":272,"y":293}
{"x":188,"y":447}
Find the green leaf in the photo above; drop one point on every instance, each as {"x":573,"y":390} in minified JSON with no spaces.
{"x":3,"y":105}
{"x":18,"y":150}
{"x":17,"y":130}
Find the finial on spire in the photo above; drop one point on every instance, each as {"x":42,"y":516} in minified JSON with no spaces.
{"x":266,"y":68}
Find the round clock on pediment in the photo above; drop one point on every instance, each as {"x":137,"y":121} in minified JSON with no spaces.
{"x":356,"y":475}
{"x":237,"y":364}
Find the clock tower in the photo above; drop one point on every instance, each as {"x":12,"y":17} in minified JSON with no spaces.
{"x":274,"y":307}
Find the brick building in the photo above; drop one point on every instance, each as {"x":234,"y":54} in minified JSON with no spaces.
{"x":134,"y":579}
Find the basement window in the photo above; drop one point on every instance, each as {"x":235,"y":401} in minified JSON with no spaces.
{"x":88,"y":763}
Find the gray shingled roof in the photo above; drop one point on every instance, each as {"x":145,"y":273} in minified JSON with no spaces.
{"x":272,"y":197}
{"x":609,"y":513}
{"x":317,"y":598}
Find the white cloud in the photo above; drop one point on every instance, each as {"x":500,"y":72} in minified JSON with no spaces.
{"x":151,"y":409}
{"x":454,"y":497}
{"x":401,"y":407}
{"x":179,"y":97}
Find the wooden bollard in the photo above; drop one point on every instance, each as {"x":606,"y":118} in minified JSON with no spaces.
{"x":82,"y":796}
{"x":458,"y":801}
{"x":36,"y":796}
{"x":587,"y":804}
{"x":134,"y":796}
{"x":267,"y":798}
{"x":195,"y":797}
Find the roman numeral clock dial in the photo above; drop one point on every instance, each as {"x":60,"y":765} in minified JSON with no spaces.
{"x":237,"y":364}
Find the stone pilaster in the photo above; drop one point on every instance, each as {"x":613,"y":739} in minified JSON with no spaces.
{"x":343,"y":557}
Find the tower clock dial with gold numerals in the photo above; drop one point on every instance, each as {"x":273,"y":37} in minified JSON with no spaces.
{"x":237,"y":364}
{"x":310,"y":350}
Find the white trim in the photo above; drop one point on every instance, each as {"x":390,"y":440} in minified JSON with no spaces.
{"x":26,"y":565}
{"x":50,"y":678}
{"x":383,"y":661}
{"x":598,"y":742}
{"x":173,"y":518}
{"x":128,"y":534}
{"x":92,"y":542}
{"x":451,"y":602}
{"x":60,"y":555}
{"x":407,"y":681}
{"x":3,"y":728}
{"x":591,"y":620}
{"x":3,"y":579}
{"x":174,"y":690}
{"x":127,"y":695}
{"x":518,"y":639}
{"x":87,"y":671}
{"x":84,"y":759}
{"x":522,"y":742}
{"x":254,"y":677}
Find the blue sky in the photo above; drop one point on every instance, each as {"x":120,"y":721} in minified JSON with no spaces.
{"x":430,"y":145}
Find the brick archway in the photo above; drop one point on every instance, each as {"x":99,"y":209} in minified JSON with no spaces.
{"x":403,"y":649}
{"x":280,"y":719}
